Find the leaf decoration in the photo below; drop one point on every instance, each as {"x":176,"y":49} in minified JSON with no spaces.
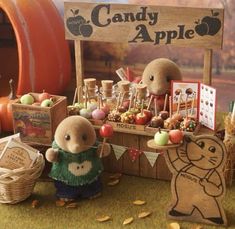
{"x":128,"y":221}
{"x":103,"y":218}
{"x":144,"y":215}
{"x":139,"y":202}
{"x":173,"y":226}
{"x":114,"y":182}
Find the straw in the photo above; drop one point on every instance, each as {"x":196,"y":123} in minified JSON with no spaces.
{"x":170,"y":111}
{"x":178,"y":105}
{"x":165,"y":102}
{"x":75,"y":95}
{"x":150,"y":101}
{"x":192,"y":105}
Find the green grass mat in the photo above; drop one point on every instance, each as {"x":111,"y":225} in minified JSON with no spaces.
{"x":116,"y":201}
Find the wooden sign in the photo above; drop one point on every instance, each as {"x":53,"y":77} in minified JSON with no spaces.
{"x":198,"y":184}
{"x":158,"y":25}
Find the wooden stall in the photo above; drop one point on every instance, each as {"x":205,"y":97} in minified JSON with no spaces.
{"x":143,"y":24}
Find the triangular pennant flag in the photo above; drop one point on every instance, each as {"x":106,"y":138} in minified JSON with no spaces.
{"x":118,"y":151}
{"x":152,"y":157}
{"x":134,"y":153}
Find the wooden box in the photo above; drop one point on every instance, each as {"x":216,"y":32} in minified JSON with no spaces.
{"x":37,"y":124}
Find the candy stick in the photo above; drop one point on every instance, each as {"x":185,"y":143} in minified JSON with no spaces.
{"x":155,"y":106}
{"x":186,"y":107}
{"x":75,"y":95}
{"x":178,"y":105}
{"x":142,"y":107}
{"x":106,"y":131}
{"x":165,"y":102}
{"x":135,"y":98}
{"x":130,"y":104}
{"x":170,"y":111}
{"x":192,"y":106}
{"x":150,"y":101}
{"x":86,"y":95}
{"x":118,"y":101}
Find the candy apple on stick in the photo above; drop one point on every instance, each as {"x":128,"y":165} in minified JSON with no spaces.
{"x":98,"y":113}
{"x":115,"y":115}
{"x":147,"y":112}
{"x":164,"y":114}
{"x":177,"y":116}
{"x":156,"y":121}
{"x":84,"y":112}
{"x":128,"y":116}
{"x":106,"y":131}
{"x":141,"y":118}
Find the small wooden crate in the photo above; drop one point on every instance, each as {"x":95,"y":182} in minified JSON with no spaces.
{"x":37,"y":124}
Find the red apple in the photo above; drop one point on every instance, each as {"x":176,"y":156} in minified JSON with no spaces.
{"x":43,"y":96}
{"x":141,"y":119}
{"x":176,"y":136}
{"x":106,"y":131}
{"x":148,"y":114}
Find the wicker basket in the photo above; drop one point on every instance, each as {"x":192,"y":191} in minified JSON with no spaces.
{"x":17,"y":185}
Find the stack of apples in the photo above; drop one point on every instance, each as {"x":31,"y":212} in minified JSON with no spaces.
{"x":44,"y":100}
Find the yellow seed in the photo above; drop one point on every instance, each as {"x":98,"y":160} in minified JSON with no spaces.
{"x":128,"y":221}
{"x":139,"y":202}
{"x":173,"y":226}
{"x":144,"y":214}
{"x":114,"y":182}
{"x":104,"y":218}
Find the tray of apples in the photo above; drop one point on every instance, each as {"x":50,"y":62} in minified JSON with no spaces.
{"x":167,"y":121}
{"x":43,"y":99}
{"x":165,"y":139}
{"x":128,"y":114}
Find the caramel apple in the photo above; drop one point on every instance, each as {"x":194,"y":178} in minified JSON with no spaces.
{"x":157,"y":122}
{"x":164,"y":114}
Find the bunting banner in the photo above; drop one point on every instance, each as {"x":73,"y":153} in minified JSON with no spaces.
{"x":118,"y":151}
{"x":151,"y":157}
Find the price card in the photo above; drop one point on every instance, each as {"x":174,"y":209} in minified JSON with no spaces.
{"x":17,"y":155}
{"x":3,"y":141}
{"x":207,"y":107}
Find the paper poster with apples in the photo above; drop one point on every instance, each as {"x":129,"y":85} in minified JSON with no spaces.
{"x":195,"y":100}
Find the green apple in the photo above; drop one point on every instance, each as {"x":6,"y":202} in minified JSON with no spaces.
{"x":79,"y":105}
{"x":86,"y":113}
{"x":27,"y":99}
{"x":47,"y":103}
{"x":161,"y":138}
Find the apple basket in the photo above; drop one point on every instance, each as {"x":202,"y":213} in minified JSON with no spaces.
{"x":17,"y":185}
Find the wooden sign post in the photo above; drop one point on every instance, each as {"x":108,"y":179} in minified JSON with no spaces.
{"x":157,"y":25}
{"x":198,"y":184}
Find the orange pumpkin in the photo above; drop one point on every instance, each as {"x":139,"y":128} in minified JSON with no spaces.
{"x":6,"y":119}
{"x":43,"y":52}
